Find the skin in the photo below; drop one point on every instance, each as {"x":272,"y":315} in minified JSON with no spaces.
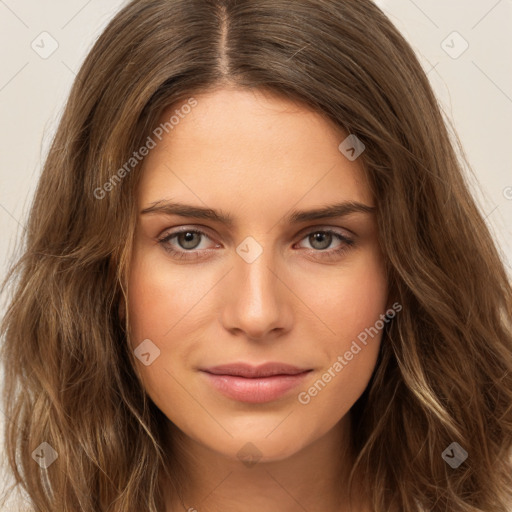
{"x":256,"y":156}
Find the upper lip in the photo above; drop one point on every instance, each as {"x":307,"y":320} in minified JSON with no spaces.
{"x":251,"y":371}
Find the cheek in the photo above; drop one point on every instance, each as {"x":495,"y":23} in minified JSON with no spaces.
{"x":161,"y":298}
{"x":166,"y":306}
{"x":157,"y":301}
{"x":362,"y":298}
{"x":351,"y":299}
{"x":353,"y":310}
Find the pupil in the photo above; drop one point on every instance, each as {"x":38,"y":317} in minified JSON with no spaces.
{"x":188,"y":236}
{"x":322,"y":237}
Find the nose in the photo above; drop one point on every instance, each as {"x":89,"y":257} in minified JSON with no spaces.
{"x":257,"y":303}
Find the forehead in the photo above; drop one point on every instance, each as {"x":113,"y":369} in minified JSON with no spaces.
{"x":240,"y":146}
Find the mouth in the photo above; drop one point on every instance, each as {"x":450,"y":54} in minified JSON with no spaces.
{"x":255,"y":384}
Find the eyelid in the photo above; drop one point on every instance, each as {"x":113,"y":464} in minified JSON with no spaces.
{"x":204,"y":230}
{"x":325,"y":227}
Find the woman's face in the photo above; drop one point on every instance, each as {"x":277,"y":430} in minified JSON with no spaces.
{"x":274,"y":284}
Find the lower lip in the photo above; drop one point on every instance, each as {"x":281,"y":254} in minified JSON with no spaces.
{"x":255,"y":390}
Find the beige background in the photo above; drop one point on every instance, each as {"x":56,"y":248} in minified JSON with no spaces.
{"x":475,"y":89}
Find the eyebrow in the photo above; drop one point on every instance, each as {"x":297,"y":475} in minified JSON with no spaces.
{"x":342,"y":209}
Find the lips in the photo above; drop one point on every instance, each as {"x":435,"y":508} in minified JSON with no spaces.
{"x":249,"y":371}
{"x":254,"y":384}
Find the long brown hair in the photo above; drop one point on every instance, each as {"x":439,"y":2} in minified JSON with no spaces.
{"x":444,"y":373}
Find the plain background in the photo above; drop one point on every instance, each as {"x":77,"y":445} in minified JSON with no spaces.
{"x":474,"y":87}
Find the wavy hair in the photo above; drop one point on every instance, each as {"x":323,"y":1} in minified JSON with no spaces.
{"x":444,"y":372}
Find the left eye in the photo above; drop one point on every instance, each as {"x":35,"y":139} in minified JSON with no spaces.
{"x":186,"y":238}
{"x":188,"y":241}
{"x":324,"y":238}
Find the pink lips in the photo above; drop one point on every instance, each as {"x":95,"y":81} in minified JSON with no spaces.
{"x":254,"y":384}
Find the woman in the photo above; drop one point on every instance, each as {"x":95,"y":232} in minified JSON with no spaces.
{"x":338,"y":334}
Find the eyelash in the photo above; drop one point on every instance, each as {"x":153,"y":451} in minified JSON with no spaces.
{"x":195,"y":254}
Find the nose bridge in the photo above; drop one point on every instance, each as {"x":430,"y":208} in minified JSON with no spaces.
{"x":257,"y":282}
{"x":256,"y":304}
